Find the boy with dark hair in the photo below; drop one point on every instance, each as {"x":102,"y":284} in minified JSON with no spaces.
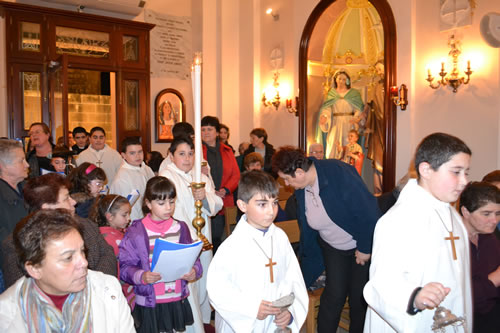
{"x":255,"y":266}
{"x":81,"y":138}
{"x":183,"y":129}
{"x":133,"y":174}
{"x":480,"y":208}
{"x":420,"y":248}
{"x":337,"y":216}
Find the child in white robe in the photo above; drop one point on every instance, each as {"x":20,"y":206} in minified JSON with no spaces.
{"x":420,"y":257}
{"x":181,"y":173}
{"x":255,"y":266}
{"x":133,"y":175}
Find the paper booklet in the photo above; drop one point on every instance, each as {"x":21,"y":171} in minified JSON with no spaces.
{"x":173,"y":260}
{"x":133,"y":196}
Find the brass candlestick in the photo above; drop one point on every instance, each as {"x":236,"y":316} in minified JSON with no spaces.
{"x":198,"y":221}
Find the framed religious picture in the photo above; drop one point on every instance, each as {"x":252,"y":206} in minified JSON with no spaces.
{"x":169,"y":109}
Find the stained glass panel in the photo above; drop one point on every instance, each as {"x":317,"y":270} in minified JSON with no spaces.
{"x":85,"y":43}
{"x":131,"y":105}
{"x":32,"y":98}
{"x":30,"y":36}
{"x":130,"y":48}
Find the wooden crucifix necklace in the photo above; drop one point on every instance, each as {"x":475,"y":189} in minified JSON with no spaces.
{"x":271,"y":263}
{"x":451,"y":238}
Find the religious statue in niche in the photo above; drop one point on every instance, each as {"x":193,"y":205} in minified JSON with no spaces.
{"x":170,"y":109}
{"x":455,"y":13}
{"x":374,"y":133}
{"x":348,"y":39}
{"x":340,"y":113}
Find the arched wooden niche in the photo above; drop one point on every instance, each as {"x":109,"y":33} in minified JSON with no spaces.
{"x":351,"y":35}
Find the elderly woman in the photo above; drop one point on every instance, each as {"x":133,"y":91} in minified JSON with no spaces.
{"x":13,"y":170}
{"x":41,"y":142}
{"x":51,"y":192}
{"x":58,"y":293}
{"x":480,"y":208}
{"x":181,"y":173}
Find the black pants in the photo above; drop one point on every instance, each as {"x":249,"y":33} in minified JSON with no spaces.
{"x":218,"y":223}
{"x":344,"y":278}
{"x":487,"y":323}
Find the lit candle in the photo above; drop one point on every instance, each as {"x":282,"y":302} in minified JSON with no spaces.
{"x":442,"y":67}
{"x":196,"y":81}
{"x":468,"y":64}
{"x":288,"y":103}
{"x":428,"y":71}
{"x":394,"y":90}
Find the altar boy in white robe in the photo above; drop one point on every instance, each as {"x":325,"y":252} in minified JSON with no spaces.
{"x":181,"y":173}
{"x":420,"y":257}
{"x":255,"y":266}
{"x":132,"y":175}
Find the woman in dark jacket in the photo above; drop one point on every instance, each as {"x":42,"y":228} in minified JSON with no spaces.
{"x":259,"y":144}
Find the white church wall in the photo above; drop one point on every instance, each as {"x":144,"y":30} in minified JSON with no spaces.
{"x":473,"y":112}
{"x":157,"y":84}
{"x":281,"y":126}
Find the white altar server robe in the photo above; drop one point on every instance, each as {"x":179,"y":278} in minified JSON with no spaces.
{"x":409,"y":251}
{"x":107,"y":159}
{"x":238,"y":280}
{"x":130,"y":178}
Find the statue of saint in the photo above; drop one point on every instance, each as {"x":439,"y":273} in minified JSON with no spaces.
{"x":340,"y":113}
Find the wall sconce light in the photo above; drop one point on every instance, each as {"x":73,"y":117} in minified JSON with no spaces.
{"x":453,"y":80}
{"x":399,"y":98}
{"x":292,"y":109}
{"x":276,"y":99}
{"x":275,"y":15}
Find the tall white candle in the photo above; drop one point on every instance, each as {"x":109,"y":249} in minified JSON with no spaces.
{"x":196,"y":80}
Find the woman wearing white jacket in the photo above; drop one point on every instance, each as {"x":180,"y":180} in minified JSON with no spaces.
{"x":58,"y":293}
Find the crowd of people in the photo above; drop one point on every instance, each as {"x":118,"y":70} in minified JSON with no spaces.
{"x":81,"y":223}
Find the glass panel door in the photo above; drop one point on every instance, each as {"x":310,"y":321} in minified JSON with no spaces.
{"x":58,"y":98}
{"x":32,"y":98}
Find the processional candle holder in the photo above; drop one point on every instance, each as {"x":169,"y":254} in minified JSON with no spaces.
{"x":199,"y":221}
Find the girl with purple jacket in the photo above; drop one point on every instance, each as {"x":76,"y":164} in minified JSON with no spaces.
{"x":163,"y":306}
